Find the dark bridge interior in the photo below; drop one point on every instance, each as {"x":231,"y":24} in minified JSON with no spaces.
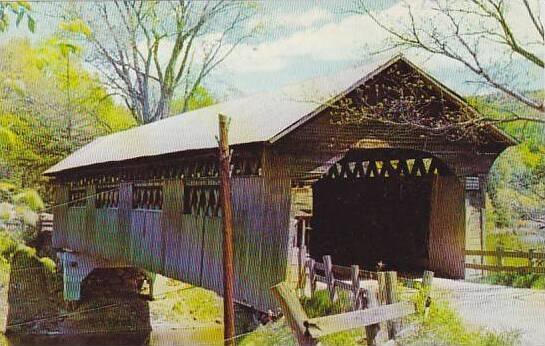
{"x":374,"y":205}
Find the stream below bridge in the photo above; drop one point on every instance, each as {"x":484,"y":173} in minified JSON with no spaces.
{"x":161,"y":337}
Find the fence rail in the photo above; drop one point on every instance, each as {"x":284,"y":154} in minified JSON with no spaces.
{"x":370,"y":306}
{"x":535,"y":263}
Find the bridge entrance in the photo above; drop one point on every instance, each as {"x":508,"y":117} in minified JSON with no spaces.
{"x":378,"y":205}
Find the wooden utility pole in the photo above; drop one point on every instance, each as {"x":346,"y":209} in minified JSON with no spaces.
{"x":227,"y":220}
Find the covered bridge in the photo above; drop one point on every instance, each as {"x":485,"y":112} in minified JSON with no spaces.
{"x":148,"y":196}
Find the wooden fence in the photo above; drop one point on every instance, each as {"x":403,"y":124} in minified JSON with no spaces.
{"x":535,"y":261}
{"x":369,"y":306}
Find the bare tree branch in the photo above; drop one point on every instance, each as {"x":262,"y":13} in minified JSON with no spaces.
{"x":145,"y":49}
{"x":453,"y":34}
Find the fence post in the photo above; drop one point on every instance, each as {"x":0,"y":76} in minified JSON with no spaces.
{"x":499,"y":256}
{"x":301,"y":282}
{"x":355,"y":285}
{"x":427,"y":279}
{"x":328,"y":266}
{"x":387,"y":282}
{"x":372,"y":330}
{"x":294,"y":313}
{"x":312,"y":276}
{"x":531,"y":258}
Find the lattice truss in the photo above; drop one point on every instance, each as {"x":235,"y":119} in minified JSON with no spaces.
{"x":414,"y":167}
{"x":202,"y":200}
{"x":147,"y":196}
{"x":147,"y":184}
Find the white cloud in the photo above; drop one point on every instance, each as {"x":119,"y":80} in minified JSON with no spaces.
{"x":340,"y":40}
{"x":305,"y":20}
{"x":290,"y":20}
{"x":349,"y":38}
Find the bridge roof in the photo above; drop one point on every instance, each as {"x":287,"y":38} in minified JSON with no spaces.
{"x":264,"y":117}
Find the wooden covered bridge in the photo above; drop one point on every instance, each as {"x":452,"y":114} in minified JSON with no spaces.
{"x":148,"y":197}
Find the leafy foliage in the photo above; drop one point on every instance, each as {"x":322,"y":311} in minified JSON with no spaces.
{"x":30,"y":198}
{"x":49,"y":106}
{"x":516,"y":185}
{"x":199,"y":99}
{"x":19,"y":206}
{"x":19,"y":10}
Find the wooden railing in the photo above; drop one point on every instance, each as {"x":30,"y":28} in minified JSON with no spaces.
{"x":535,"y":261}
{"x":366,"y":302}
{"x":307,"y":330}
{"x":369,"y":306}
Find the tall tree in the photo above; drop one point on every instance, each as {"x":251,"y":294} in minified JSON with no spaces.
{"x":38,"y":126}
{"x":149,"y":51}
{"x":491,"y":38}
{"x":17,"y":9}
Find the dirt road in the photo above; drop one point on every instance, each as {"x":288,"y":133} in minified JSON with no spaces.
{"x":497,"y":308}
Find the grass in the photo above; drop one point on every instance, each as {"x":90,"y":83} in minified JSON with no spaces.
{"x":198,"y":304}
{"x":443,"y":326}
{"x":183,"y":304}
{"x":535,"y":281}
{"x":279,"y":334}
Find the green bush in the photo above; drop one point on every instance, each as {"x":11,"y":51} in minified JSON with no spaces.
{"x":504,"y":279}
{"x":539,"y":283}
{"x":320,"y":304}
{"x":29,"y":198}
{"x":525,"y":281}
{"x":8,"y":246}
{"x":531,"y":280}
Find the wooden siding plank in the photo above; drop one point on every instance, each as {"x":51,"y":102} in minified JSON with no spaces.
{"x":447,"y":224}
{"x":247,"y":213}
{"x":106,"y":240}
{"x":212,"y":255}
{"x":124,"y":222}
{"x":60,"y":216}
{"x":88,"y":239}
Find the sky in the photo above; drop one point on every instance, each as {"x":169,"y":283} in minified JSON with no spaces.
{"x":302,"y":39}
{"x":309,"y":38}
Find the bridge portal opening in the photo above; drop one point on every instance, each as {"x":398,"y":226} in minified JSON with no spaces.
{"x":377,"y":205}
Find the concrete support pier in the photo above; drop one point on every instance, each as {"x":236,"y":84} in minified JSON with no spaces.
{"x":75,"y":268}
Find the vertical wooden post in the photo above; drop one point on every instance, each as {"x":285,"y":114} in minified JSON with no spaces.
{"x":355,"y":275}
{"x":294,"y":313}
{"x":427,"y":279}
{"x":372,"y":330}
{"x":387,"y":282}
{"x":302,"y":267}
{"x":355,"y":271}
{"x":530,"y":258}
{"x":499,"y":256}
{"x":328,"y":265}
{"x":312,"y":276}
{"x":227,"y":220}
